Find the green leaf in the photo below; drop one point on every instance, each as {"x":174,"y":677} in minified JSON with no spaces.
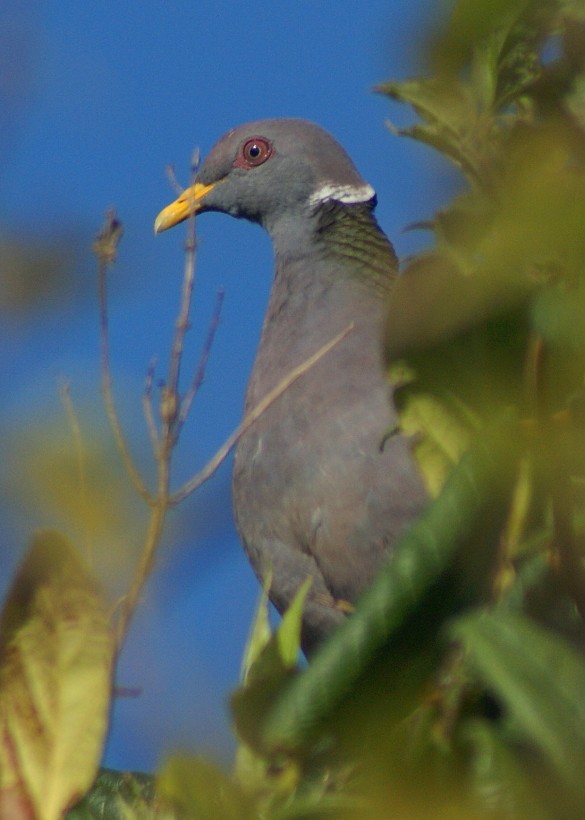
{"x":439,"y":433}
{"x":474,"y":24}
{"x":540,"y":680}
{"x":498,"y":781}
{"x":270,"y":669}
{"x":259,"y":635}
{"x":288,"y":634}
{"x":454,"y":346}
{"x":448,"y":114}
{"x":56,"y":651}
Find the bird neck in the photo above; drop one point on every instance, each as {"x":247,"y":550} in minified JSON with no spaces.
{"x":346,"y":237}
{"x":351,"y":234}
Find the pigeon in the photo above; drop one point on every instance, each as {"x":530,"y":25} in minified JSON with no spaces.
{"x":323,"y":485}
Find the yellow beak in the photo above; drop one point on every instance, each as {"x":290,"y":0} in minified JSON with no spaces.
{"x":186,"y":205}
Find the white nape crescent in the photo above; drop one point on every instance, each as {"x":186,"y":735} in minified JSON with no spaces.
{"x":342,"y":193}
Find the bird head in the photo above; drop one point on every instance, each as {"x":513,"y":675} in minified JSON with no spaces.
{"x":269,"y":171}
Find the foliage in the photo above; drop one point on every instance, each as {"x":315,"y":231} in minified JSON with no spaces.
{"x":119,"y":796}
{"x":56,"y":650}
{"x":456,"y":687}
{"x":454,"y":690}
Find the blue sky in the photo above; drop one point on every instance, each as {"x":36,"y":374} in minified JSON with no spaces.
{"x":98,"y":98}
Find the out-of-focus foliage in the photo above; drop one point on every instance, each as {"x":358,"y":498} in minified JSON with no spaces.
{"x":33,"y":273}
{"x":492,"y":317}
{"x":195,"y":787}
{"x":56,"y":650}
{"x":455,"y":689}
{"x":34,"y":270}
{"x":65,"y":472}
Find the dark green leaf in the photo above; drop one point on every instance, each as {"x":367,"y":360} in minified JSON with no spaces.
{"x":118,"y":796}
{"x":498,"y":782}
{"x":540,"y":680}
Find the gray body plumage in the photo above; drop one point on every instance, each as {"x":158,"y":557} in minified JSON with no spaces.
{"x":318,"y":489}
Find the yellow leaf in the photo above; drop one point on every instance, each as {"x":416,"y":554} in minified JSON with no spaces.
{"x":198,"y":788}
{"x":56,"y":652}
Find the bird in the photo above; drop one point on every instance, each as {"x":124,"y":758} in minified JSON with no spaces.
{"x":322,"y":488}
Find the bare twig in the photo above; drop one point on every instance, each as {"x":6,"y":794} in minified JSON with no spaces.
{"x":153,"y":535}
{"x":173,"y":181}
{"x":163,"y":443}
{"x":201,"y":367}
{"x":171,"y":401}
{"x":105,"y":249}
{"x":148,"y":409}
{"x":195,"y":160}
{"x":212,"y":465}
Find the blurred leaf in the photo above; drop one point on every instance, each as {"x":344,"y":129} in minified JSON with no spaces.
{"x":288,"y":634}
{"x":198,"y":789}
{"x":557,"y":316}
{"x":446,"y":111}
{"x":454,"y":370}
{"x":451,"y":125}
{"x":50,"y":473}
{"x":56,"y":651}
{"x":33,"y":272}
{"x":439,"y":427}
{"x":275,"y":664}
{"x":505,"y":33}
{"x":499,"y":783}
{"x":536,"y":229}
{"x":252,"y":770}
{"x":540,"y":680}
{"x":508,"y":269}
{"x":484,"y":60}
{"x":78,"y":486}
{"x":260,"y":633}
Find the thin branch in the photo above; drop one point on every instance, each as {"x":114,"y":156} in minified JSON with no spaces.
{"x":202,"y":366}
{"x":170,"y":400}
{"x":172,"y":179}
{"x":130,"y":601}
{"x":163,"y":444}
{"x":148,"y":409}
{"x":105,"y":250}
{"x":212,"y":465}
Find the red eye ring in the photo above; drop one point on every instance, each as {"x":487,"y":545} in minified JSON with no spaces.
{"x":254,"y":152}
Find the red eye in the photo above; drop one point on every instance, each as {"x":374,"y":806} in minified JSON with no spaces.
{"x":254,"y":152}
